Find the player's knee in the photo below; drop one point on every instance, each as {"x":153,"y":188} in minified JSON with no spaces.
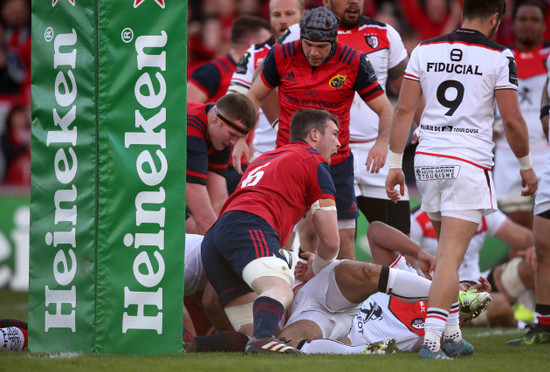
{"x":370,"y":273}
{"x":268,"y":266}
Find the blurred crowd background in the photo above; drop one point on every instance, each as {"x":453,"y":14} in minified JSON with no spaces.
{"x":15,"y":86}
{"x":210,"y":22}
{"x":209,"y":34}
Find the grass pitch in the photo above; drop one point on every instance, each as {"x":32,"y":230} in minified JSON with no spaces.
{"x":491,"y":354}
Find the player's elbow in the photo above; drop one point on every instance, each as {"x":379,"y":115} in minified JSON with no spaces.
{"x":329,"y":245}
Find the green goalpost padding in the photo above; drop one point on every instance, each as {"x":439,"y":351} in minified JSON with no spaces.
{"x":108,"y":176}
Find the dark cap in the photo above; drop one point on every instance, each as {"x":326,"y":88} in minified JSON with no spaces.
{"x":320,"y":25}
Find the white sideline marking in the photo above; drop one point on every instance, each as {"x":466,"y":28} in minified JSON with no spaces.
{"x":496,"y":332}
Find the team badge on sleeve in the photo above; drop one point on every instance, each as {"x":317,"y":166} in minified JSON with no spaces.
{"x":365,"y":62}
{"x":243,"y":62}
{"x":513,"y":68}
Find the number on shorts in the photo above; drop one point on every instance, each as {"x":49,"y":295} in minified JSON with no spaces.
{"x":442,"y":90}
{"x":254,"y":177}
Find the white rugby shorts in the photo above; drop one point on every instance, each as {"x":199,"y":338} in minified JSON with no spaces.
{"x":333,"y":314}
{"x":447,"y":184}
{"x":370,"y":185}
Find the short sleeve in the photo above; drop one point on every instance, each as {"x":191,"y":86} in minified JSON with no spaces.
{"x":413,"y":70}
{"x":398,"y":53}
{"x":506,"y":71}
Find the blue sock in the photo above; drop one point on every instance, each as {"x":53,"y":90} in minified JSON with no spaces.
{"x":267,"y":314}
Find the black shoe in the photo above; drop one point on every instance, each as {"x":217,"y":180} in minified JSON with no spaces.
{"x":269,"y":345}
{"x":537,"y":334}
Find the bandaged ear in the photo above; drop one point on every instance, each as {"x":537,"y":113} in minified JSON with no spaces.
{"x":323,"y":205}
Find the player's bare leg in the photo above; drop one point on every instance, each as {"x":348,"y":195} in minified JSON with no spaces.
{"x":347,"y":244}
{"x":301,"y":330}
{"x":540,"y":333}
{"x":454,"y":236}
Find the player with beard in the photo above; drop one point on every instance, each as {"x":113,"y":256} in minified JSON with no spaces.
{"x":387,"y":54}
{"x":317,"y":71}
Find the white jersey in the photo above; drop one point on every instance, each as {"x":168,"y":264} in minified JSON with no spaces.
{"x":264,"y":134}
{"x":423,"y":234}
{"x":532,"y":72}
{"x":382,"y":317}
{"x":385,"y":50}
{"x":459,"y":74}
{"x":194,"y":275}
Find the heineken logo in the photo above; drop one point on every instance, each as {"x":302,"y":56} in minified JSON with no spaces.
{"x":54,"y":2}
{"x":139,"y":2}
{"x":63,"y":137}
{"x":148,"y":135}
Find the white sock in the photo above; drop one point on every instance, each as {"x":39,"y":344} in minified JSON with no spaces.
{"x":11,"y":339}
{"x":407,"y":286}
{"x":433,"y":327}
{"x":452,"y":329}
{"x":327,"y":346}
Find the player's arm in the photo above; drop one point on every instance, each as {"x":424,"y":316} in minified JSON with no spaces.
{"x":386,"y":242}
{"x":217,"y":190}
{"x":257,"y":93}
{"x":517,"y":237}
{"x":203,"y":83}
{"x":515,"y":130}
{"x":379,"y":152}
{"x":196,"y":94}
{"x":545,"y":109}
{"x":395,"y":75}
{"x":325,"y":221}
{"x":198,"y":201}
{"x":407,"y":104}
{"x":366,"y":85}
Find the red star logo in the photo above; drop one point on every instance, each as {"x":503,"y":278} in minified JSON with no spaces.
{"x":54,"y":2}
{"x":139,"y":2}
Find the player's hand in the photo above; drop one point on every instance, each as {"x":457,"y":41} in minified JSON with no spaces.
{"x":529,"y":181}
{"x":377,"y":156}
{"x":304,"y":271}
{"x":529,"y":256}
{"x":426,"y":263}
{"x":415,"y":136}
{"x":482,"y":286}
{"x":240,"y":149}
{"x":395,"y":177}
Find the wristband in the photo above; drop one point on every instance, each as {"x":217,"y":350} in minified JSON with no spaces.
{"x":319,"y":264}
{"x":544,"y":111}
{"x":525,"y":162}
{"x":395,"y":160}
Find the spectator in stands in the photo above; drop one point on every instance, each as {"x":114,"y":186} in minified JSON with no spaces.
{"x":431,"y":18}
{"x":15,"y":143}
{"x":15,"y":54}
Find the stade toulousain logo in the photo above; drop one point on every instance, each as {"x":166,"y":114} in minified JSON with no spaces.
{"x":372,"y":41}
{"x":338,"y":81}
{"x":417,"y":323}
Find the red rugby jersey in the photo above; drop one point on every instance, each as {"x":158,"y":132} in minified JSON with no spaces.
{"x":213,"y":78}
{"x":281,"y":185}
{"x":330,"y":86}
